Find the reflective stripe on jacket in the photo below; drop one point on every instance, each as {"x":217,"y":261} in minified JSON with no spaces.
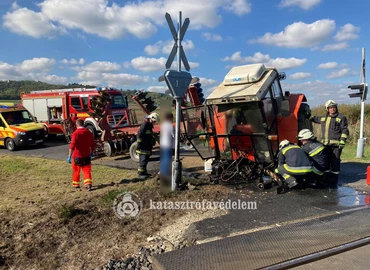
{"x":334,"y":128}
{"x":145,"y":138}
{"x":316,"y":151}
{"x":295,"y":160}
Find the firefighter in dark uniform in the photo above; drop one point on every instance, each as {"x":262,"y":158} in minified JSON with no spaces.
{"x":316,"y":152}
{"x":334,"y":128}
{"x":145,"y":144}
{"x":293,"y":163}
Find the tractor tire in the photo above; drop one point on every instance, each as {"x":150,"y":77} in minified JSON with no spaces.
{"x":134,"y":156}
{"x":109,"y":149}
{"x":92,"y":129}
{"x":10,"y":145}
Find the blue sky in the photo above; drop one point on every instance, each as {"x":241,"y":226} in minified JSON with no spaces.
{"x":125,"y":44}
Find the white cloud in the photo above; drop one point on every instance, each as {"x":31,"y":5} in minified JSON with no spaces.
{"x":145,"y":64}
{"x":286,"y":63}
{"x":293,"y":37}
{"x":279,"y":63}
{"x":239,"y":7}
{"x":304,"y":4}
{"x":73,"y":61}
{"x":339,"y":73}
{"x":211,"y":37}
{"x":124,"y":79}
{"x":42,"y":64}
{"x":328,"y":65}
{"x":31,"y":69}
{"x":99,"y":66}
{"x":27,"y":22}
{"x":115,"y":19}
{"x":157,"y":89}
{"x":300,"y":75}
{"x":54,"y":79}
{"x":335,"y":47}
{"x":206,"y":83}
{"x":166,"y":46}
{"x":318,"y":92}
{"x":347,"y":32}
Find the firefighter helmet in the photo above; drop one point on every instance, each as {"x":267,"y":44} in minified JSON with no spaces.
{"x":283,"y":143}
{"x":305,"y":134}
{"x":154,"y":117}
{"x":330,"y":103}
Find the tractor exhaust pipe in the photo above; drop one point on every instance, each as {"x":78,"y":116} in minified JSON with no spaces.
{"x":266,"y":183}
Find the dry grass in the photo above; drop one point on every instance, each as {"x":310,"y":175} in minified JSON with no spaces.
{"x":46,"y":224}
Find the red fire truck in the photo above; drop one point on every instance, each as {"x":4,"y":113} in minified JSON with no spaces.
{"x":105,"y":111}
{"x":52,"y":107}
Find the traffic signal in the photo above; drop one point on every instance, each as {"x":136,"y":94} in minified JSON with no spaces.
{"x":200,"y":94}
{"x":145,"y":100}
{"x":363,"y":91}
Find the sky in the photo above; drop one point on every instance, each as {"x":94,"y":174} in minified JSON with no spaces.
{"x":125,"y":44}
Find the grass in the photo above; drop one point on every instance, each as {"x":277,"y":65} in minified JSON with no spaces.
{"x":47,"y":224}
{"x":349,"y":153}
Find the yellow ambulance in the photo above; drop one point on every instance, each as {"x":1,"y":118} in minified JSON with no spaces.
{"x":18,"y":127}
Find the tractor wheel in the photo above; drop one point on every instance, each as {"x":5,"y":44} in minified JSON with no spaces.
{"x":109,"y":149}
{"x":10,"y":144}
{"x":134,"y":156}
{"x":92,"y":130}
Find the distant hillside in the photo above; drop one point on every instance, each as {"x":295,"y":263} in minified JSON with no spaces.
{"x":10,"y":90}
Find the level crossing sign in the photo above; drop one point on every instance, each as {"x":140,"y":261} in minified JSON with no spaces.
{"x":177,"y":47}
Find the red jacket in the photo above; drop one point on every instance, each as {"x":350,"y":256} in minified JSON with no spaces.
{"x":82,"y":141}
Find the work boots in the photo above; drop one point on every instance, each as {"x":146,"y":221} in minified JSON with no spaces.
{"x":333,"y":180}
{"x":290,"y":180}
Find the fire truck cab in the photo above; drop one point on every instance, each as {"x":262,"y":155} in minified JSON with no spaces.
{"x":52,"y":107}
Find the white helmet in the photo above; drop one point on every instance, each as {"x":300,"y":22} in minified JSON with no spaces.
{"x":154,"y":117}
{"x":283,"y":143}
{"x":330,"y":103}
{"x":305,"y":134}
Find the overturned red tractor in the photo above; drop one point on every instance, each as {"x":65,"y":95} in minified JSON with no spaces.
{"x":241,"y":124}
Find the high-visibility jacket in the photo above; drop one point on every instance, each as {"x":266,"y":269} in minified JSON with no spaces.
{"x":316,"y":152}
{"x":145,"y":138}
{"x":334,"y":128}
{"x":294,"y":160}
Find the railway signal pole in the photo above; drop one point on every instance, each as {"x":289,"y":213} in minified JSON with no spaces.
{"x":363,"y":88}
{"x":178,"y":83}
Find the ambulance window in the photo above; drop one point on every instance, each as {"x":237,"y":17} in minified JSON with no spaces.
{"x":2,"y":123}
{"x":75,"y":102}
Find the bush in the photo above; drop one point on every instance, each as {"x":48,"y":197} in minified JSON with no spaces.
{"x":353,"y":114}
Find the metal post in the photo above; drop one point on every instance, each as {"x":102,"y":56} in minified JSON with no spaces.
{"x":361,"y":140}
{"x":176,"y":165}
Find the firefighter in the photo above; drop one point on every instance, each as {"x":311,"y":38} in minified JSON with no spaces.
{"x":316,"y":152}
{"x":80,"y":153}
{"x":145,"y":144}
{"x":293,"y":163}
{"x":334,"y":128}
